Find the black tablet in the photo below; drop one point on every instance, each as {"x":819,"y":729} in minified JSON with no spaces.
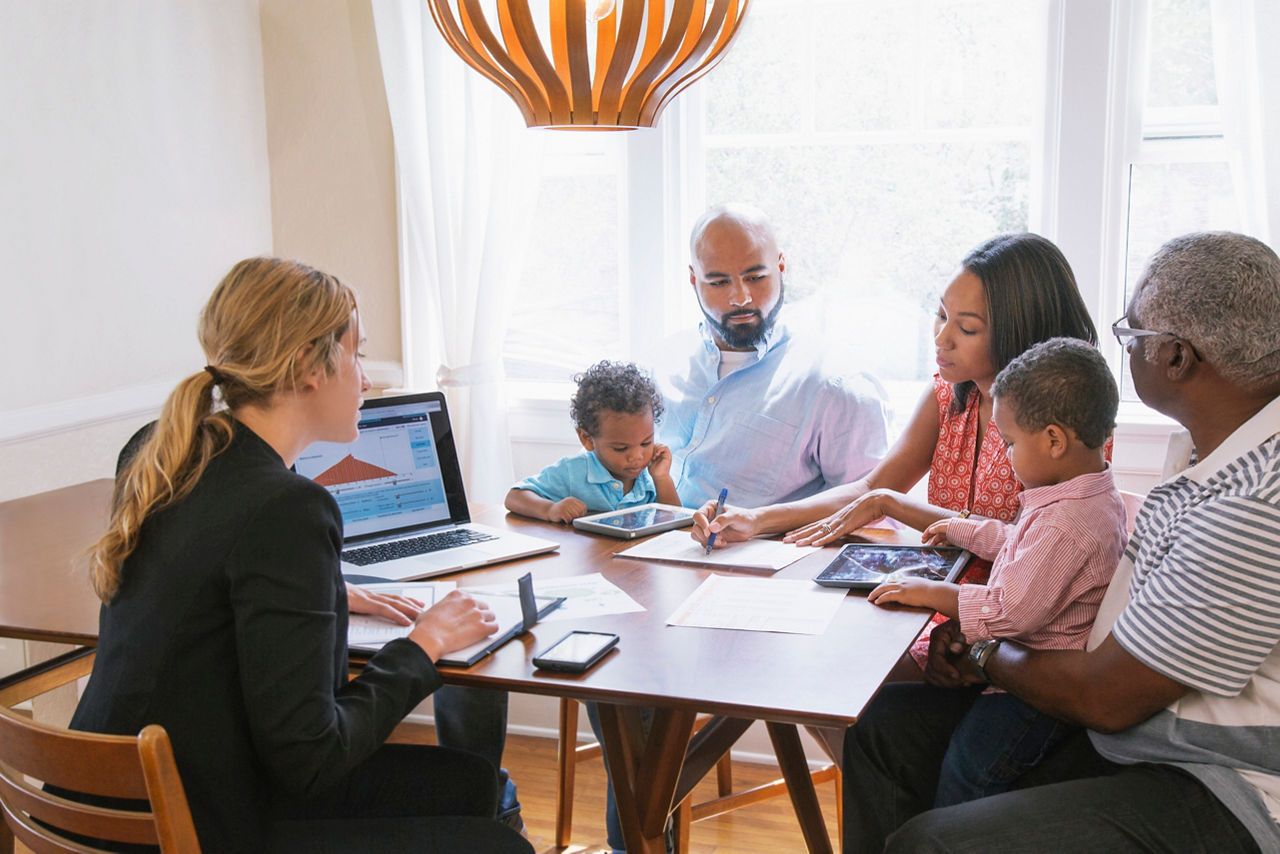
{"x":861,"y":566}
{"x":636,"y":522}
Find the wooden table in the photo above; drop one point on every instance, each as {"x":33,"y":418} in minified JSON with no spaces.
{"x":44,"y":583}
{"x":741,"y":676}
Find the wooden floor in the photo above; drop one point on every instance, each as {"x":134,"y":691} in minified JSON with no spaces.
{"x":765,"y":828}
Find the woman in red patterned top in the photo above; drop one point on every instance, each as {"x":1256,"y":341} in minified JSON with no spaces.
{"x":1012,"y":291}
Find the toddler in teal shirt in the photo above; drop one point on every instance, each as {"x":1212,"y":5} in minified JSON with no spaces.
{"x":614,"y":410}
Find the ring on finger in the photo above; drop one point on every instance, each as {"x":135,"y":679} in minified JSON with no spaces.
{"x":826,"y":529}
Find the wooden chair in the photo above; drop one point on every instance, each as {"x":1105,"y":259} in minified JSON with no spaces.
{"x":137,"y":768}
{"x":570,"y":753}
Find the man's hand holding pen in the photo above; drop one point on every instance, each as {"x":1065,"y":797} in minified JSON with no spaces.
{"x":711,"y":540}
{"x":729,"y":525}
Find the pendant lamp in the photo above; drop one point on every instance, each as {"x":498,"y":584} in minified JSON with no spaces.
{"x":590,"y":64}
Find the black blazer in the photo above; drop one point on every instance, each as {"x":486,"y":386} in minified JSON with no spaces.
{"x":229,"y":629}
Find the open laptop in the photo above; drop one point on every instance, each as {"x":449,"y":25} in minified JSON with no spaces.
{"x":399,"y":487}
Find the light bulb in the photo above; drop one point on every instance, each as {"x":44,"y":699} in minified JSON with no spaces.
{"x":598,"y":9}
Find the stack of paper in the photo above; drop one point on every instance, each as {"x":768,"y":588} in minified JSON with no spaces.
{"x":366,"y":632}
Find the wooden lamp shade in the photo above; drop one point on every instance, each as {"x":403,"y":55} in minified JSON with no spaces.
{"x":646,"y":52}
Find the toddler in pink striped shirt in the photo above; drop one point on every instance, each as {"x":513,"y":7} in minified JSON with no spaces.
{"x":1055,"y":407}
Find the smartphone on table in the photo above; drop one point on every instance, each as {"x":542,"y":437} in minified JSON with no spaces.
{"x":576,"y":651}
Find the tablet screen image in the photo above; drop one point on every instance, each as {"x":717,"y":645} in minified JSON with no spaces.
{"x":632,"y":519}
{"x":862,"y":566}
{"x":635,"y":522}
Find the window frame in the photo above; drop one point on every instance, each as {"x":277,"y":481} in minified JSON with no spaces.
{"x":1090,"y":124}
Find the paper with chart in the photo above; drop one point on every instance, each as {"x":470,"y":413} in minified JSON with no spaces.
{"x":584,"y":596}
{"x":759,"y":604}
{"x":678,"y":546}
{"x":373,"y":632}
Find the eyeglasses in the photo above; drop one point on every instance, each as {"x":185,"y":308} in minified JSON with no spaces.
{"x":1126,"y":335}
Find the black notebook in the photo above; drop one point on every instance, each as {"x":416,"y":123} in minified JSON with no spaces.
{"x":516,"y":615}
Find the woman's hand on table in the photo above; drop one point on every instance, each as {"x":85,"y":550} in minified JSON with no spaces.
{"x":859,"y":513}
{"x":730,"y":525}
{"x":454,"y":622}
{"x":401,"y":610}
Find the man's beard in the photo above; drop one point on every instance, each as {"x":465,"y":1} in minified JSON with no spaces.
{"x":746,"y":336}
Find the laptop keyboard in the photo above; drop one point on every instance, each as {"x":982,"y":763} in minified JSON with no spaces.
{"x":414,"y":546}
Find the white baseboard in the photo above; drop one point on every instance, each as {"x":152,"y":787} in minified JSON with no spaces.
{"x":752,"y":757}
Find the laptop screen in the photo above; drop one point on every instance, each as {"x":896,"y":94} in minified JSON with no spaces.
{"x":400,"y":474}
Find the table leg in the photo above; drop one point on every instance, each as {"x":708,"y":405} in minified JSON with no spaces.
{"x":804,"y":799}
{"x":644,"y":770}
{"x":567,"y":763}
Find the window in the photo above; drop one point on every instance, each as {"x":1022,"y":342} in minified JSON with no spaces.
{"x":565,"y":312}
{"x":886,"y":138}
{"x":1179,"y":178}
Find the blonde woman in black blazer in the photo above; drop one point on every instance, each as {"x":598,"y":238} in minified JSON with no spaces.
{"x":224,"y":611}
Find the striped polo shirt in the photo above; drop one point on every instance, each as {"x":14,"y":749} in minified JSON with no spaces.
{"x":1197,"y":598}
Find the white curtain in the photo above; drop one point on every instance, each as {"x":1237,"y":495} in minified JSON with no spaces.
{"x":1247,"y":69}
{"x":467,"y":171}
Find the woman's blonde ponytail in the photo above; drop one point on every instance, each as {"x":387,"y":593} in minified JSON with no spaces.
{"x":187,"y":435}
{"x":268,"y":321}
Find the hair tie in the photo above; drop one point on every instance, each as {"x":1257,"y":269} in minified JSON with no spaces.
{"x":213,"y":372}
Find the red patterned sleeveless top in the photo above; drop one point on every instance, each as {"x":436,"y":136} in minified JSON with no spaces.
{"x":959,"y":478}
{"x":986,"y":486}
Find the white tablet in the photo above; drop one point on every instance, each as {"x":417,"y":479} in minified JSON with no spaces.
{"x":636,"y":522}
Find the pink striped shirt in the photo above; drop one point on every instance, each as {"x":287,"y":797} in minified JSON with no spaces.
{"x":1050,"y":567}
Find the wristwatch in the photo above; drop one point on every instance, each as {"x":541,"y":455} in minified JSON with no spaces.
{"x":980,"y":653}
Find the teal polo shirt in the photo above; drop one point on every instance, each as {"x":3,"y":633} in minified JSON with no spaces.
{"x":584,"y":477}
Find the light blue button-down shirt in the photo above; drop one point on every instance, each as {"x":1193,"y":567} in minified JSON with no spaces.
{"x":783,"y":426}
{"x":584,"y":477}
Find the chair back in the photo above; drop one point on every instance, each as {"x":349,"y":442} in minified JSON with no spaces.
{"x":138,"y":768}
{"x":1132,"y":504}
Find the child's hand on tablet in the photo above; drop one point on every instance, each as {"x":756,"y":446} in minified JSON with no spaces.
{"x":566,"y":510}
{"x":941,"y":596}
{"x":904,"y":591}
{"x":936,"y":534}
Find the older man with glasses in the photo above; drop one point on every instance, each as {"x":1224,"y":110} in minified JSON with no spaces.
{"x":1180,"y":686}
{"x":1127,"y":336}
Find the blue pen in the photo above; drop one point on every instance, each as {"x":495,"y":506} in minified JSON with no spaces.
{"x":724,"y":495}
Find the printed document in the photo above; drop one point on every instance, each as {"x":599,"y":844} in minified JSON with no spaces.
{"x":679,"y":547}
{"x":760,"y":604}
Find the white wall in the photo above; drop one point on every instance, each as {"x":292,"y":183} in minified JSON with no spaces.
{"x":333,"y":191}
{"x":159,"y":142}
{"x":134,"y":162}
